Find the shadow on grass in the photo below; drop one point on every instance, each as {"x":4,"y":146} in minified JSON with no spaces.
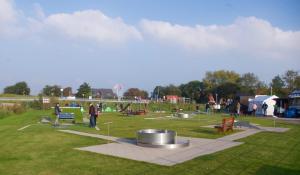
{"x":213,"y":132}
{"x":275,"y":170}
{"x":205,"y":131}
{"x":127,"y":140}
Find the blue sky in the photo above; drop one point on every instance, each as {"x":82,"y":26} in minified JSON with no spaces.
{"x":144,"y":43}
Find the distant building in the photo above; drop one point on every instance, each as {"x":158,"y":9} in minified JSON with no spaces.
{"x":103,"y":93}
{"x":172,"y":98}
{"x":244,"y":98}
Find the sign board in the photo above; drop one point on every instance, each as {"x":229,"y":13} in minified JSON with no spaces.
{"x":46,"y":100}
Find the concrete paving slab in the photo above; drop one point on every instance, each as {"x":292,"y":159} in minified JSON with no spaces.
{"x":90,"y":135}
{"x":126,"y":148}
{"x":167,"y":157}
{"x":273,"y":129}
{"x":240,"y":135}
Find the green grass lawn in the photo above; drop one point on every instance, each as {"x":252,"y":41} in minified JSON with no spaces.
{"x":41,"y":149}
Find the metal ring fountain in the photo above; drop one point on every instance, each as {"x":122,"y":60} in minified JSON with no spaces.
{"x":157,"y":138}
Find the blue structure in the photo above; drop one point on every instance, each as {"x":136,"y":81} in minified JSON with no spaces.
{"x":294,"y":105}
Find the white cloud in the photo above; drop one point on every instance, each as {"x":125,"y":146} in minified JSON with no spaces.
{"x":249,"y":35}
{"x":7,"y":12}
{"x":39,"y":11}
{"x":92,"y":25}
{"x":8,"y":19}
{"x":86,"y":25}
{"x":246,"y":36}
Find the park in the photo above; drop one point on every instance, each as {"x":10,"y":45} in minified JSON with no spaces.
{"x":32,"y":145}
{"x":141,"y":87}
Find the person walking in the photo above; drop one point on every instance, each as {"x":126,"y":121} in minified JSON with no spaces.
{"x":207,"y":108}
{"x":57,"y":112}
{"x":276,"y":110}
{"x":238,"y":108}
{"x":92,"y":113}
{"x":254,"y":108}
{"x":264,"y":108}
{"x":97,"y":113}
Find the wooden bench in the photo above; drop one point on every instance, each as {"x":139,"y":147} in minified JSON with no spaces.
{"x":227,"y":124}
{"x":67,"y":116}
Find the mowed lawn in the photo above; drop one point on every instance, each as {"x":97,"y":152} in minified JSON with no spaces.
{"x":41,"y":149}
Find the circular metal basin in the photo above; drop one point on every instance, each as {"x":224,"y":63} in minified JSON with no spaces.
{"x":183,"y":115}
{"x":158,"y":138}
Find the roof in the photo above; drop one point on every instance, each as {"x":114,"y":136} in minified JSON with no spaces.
{"x":294,"y":94}
{"x":262,"y":98}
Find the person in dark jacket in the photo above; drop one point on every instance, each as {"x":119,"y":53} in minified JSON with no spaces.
{"x":57,"y":111}
{"x":264,"y":108}
{"x":93,"y":115}
{"x":207,"y":107}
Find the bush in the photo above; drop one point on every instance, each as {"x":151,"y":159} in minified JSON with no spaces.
{"x":36,"y":104}
{"x":11,"y":108}
{"x":18,"y":108}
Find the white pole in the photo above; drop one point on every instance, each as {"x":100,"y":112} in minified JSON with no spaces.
{"x":271,"y":91}
{"x":118,"y":93}
{"x":107,"y":123}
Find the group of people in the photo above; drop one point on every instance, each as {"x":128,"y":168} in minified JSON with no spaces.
{"x":94,"y":112}
{"x":264,"y":108}
{"x":236,"y":108}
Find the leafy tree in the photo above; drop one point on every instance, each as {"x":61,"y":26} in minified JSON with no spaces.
{"x":297,"y":82}
{"x":192,"y":89}
{"x":84,"y":90}
{"x":216,"y":78}
{"x":67,"y":92}
{"x":159,"y":92}
{"x":278,"y":86}
{"x":144,"y":94}
{"x":20,"y":88}
{"x":131,"y":93}
{"x":262,"y":88}
{"x":277,"y":82}
{"x":54,"y":90}
{"x":227,"y":90}
{"x":290,"y":78}
{"x":249,"y":82}
{"x":172,"y":90}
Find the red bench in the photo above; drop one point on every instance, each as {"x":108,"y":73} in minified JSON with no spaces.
{"x":227,"y":124}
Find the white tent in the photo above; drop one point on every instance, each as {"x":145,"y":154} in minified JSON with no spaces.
{"x":259,"y":100}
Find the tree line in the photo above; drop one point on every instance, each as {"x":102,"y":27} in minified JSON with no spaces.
{"x":224,"y":83}
{"x":228,"y":84}
{"x":21,"y":88}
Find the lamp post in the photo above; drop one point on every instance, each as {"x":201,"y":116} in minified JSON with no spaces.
{"x":271,"y":90}
{"x":61,"y":93}
{"x":83,"y":96}
{"x":157,"y":93}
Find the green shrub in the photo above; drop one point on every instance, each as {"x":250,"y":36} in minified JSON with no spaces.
{"x":36,"y":104}
{"x":18,"y":108}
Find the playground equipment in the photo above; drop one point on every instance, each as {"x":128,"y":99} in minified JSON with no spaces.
{"x":158,"y":138}
{"x":127,"y":110}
